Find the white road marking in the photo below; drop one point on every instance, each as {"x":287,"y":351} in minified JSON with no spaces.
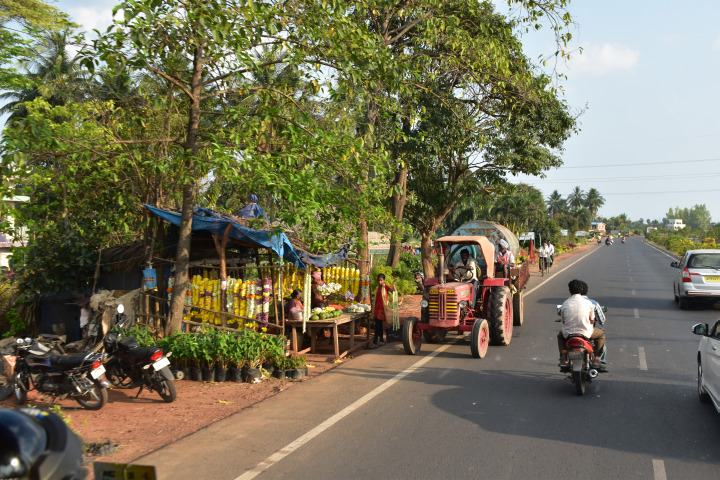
{"x":633,"y":292}
{"x":674,"y":257}
{"x":659,"y":469}
{"x":302,"y":440}
{"x":636,"y":311}
{"x":643,"y":362}
{"x":631,"y":279}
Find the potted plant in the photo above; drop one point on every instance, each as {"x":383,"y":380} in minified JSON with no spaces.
{"x":253,"y":354}
{"x":207,"y":355}
{"x":191,"y":345}
{"x":223,"y":343}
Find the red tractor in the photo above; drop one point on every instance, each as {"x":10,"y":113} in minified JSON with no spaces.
{"x":447,"y":300}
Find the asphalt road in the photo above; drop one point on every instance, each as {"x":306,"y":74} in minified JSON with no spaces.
{"x":443,"y":414}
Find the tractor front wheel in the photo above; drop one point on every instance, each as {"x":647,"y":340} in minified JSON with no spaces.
{"x":411,"y":336}
{"x":479,"y":338}
{"x":501,"y":316}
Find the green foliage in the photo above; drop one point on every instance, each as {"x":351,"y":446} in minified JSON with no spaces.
{"x":403,"y":277}
{"x":10,"y":321}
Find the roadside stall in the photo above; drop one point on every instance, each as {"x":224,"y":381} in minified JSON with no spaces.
{"x":240,"y":276}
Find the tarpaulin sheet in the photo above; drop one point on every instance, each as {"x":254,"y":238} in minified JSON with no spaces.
{"x":323,"y":261}
{"x":209,"y":221}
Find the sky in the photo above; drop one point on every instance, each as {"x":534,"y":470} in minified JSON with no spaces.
{"x":646,"y":89}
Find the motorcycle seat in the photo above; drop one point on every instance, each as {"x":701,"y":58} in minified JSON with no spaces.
{"x":137,"y":352}
{"x":64,"y":362}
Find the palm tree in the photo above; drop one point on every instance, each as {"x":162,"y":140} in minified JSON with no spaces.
{"x":555,"y":203}
{"x":53,"y":72}
{"x":576,"y":199}
{"x":593,"y":202}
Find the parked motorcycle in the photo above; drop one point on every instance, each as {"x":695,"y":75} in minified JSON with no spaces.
{"x":133,"y":366}
{"x":419,"y":280}
{"x":580,"y":355}
{"x":43,"y":367}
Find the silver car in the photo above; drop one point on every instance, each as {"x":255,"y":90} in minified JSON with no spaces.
{"x":698,"y":276}
{"x":708,"y":363}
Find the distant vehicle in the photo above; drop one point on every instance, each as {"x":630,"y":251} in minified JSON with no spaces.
{"x":708,"y":363}
{"x":698,"y":276}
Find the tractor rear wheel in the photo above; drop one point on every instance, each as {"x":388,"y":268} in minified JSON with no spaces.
{"x":501,"y":316}
{"x":479,"y":338}
{"x":411,"y":336}
{"x":518,"y":308}
{"x":434,"y":336}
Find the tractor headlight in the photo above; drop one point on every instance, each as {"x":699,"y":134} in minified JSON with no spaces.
{"x":424,"y":303}
{"x":463,"y":304}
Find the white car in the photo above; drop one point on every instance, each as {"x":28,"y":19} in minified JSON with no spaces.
{"x":698,"y":276}
{"x":708,"y":360}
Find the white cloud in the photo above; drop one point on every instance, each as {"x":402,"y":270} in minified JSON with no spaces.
{"x":599,"y":60}
{"x":90,"y":18}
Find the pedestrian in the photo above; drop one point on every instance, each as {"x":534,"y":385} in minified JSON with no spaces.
{"x":380,"y":307}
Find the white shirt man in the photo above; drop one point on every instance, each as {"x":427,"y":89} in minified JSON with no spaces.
{"x":578,"y":316}
{"x":544,"y":251}
{"x":551,"y":249}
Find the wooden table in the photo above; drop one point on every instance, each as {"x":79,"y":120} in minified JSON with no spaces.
{"x":331,"y":323}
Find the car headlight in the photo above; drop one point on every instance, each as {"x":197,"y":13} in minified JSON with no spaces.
{"x":424,"y":303}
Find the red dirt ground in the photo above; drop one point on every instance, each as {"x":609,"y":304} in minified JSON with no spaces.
{"x":141,"y":425}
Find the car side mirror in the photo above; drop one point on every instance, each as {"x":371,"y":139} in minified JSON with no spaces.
{"x":700,"y":329}
{"x":675,"y":265}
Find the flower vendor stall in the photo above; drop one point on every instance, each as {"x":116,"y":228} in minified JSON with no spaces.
{"x":239,"y":277}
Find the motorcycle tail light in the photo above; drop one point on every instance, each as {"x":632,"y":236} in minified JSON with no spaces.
{"x":156,"y":355}
{"x":96,"y":364}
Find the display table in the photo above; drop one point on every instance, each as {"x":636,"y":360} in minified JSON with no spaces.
{"x":312,"y":326}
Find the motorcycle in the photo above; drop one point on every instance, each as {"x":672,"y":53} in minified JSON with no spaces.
{"x":43,"y":367}
{"x":580,"y":355}
{"x":623,"y":239}
{"x":419,"y":280}
{"x":132,"y":366}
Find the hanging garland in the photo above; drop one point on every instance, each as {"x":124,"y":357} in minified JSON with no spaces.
{"x":306,"y":300}
{"x":396,"y":311}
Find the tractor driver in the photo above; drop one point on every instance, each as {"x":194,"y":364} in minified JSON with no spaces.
{"x":465,"y":270}
{"x":504,"y":258}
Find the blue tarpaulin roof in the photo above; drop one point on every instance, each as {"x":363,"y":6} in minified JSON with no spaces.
{"x":209,"y":221}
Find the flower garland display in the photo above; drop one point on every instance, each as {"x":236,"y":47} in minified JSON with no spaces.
{"x":328,"y":288}
{"x":365,"y":288}
{"x":306,"y":301}
{"x":396,"y":311}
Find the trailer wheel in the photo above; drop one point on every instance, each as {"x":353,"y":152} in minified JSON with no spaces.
{"x":479,"y":338}
{"x":411,"y":336}
{"x":518,"y":308}
{"x":501,"y":316}
{"x":434,"y":336}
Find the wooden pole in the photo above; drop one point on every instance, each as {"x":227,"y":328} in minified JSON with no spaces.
{"x":220,"y":247}
{"x":272,"y":286}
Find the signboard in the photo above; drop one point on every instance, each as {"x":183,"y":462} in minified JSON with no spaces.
{"x":526,"y":236}
{"x":563,"y":232}
{"x":580,"y":233}
{"x":123,"y":471}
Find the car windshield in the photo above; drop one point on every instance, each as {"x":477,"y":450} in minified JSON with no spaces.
{"x":705,"y":260}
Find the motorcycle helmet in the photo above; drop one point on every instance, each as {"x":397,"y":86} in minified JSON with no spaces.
{"x":36,"y":444}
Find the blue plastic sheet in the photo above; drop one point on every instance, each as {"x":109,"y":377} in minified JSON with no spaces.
{"x":209,"y":221}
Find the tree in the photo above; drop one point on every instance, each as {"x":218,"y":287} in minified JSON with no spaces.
{"x":576,"y":199}
{"x":556,"y":204}
{"x":593,"y":202}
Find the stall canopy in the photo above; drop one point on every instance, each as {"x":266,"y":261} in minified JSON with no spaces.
{"x":216,"y":223}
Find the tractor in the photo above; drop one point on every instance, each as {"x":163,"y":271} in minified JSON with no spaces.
{"x":447,"y":301}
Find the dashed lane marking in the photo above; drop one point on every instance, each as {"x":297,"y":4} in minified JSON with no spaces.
{"x":558,"y":271}
{"x":641,"y":355}
{"x":636,"y":311}
{"x":659,"y":469}
{"x":633,"y":292}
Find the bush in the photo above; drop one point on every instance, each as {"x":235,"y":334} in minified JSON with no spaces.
{"x":404,"y":278}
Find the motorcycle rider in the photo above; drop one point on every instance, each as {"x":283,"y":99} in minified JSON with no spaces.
{"x":599,"y":321}
{"x":578,"y":318}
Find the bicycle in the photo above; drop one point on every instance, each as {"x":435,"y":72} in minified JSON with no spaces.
{"x":543,"y":264}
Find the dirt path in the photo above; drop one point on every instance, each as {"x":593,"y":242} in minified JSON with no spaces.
{"x":134,"y":427}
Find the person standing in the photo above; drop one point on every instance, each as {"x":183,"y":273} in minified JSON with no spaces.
{"x":380,"y":306}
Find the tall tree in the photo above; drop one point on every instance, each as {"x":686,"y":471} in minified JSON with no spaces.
{"x":556,"y":204}
{"x":593,"y":202}
{"x":576,"y":199}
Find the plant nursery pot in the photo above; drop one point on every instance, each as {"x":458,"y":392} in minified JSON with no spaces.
{"x":252,"y":374}
{"x":208,"y":374}
{"x":220,"y":374}
{"x":235,"y":374}
{"x":306,"y":371}
{"x":186,"y":372}
{"x":196,"y":374}
{"x":297,"y":374}
{"x":277,"y":373}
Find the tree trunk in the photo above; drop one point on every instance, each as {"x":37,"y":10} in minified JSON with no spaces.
{"x":426,"y":254}
{"x":182,"y":259}
{"x":398,"y":207}
{"x":363,"y":258}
